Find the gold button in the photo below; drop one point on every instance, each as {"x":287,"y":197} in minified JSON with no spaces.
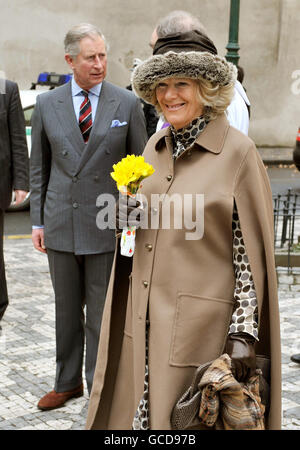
{"x":145,"y":283}
{"x":149,"y":247}
{"x":169,"y":177}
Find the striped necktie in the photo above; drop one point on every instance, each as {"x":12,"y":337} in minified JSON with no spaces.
{"x":85,"y":117}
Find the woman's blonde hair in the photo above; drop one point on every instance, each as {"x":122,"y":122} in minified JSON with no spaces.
{"x":214,"y":97}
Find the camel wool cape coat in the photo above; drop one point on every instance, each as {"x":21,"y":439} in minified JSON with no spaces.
{"x":185,"y":287}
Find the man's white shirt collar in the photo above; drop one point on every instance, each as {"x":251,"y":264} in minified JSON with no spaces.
{"x":76,"y":90}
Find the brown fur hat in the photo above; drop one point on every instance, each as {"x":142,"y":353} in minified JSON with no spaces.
{"x":196,"y":65}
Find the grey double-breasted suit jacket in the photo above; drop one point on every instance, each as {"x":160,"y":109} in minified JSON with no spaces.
{"x":68,"y":175}
{"x":14,"y":166}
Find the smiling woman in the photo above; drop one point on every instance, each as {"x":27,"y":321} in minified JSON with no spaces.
{"x":179,"y":302}
{"x":178,"y":100}
{"x":207,"y":79}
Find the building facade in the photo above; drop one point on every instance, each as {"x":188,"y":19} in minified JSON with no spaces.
{"x":32,"y":34}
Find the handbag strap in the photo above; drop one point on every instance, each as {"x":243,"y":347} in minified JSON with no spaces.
{"x":199,"y":372}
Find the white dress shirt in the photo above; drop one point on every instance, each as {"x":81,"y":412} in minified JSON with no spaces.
{"x":237,"y":112}
{"x":78,"y":97}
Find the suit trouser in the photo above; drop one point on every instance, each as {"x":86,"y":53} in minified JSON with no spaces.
{"x":3,"y":286}
{"x":78,"y":281}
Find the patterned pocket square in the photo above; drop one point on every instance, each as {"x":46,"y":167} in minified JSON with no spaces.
{"x":117,"y":123}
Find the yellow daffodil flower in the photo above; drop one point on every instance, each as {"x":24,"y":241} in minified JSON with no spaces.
{"x":130,"y":171}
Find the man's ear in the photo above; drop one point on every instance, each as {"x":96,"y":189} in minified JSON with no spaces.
{"x":69,"y":60}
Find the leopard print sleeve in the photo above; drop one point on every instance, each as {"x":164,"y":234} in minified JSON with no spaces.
{"x":245,"y":315}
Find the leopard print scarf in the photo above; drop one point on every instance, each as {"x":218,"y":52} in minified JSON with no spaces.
{"x":185,"y":137}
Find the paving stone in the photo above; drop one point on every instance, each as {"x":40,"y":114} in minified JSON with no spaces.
{"x":27,"y":348}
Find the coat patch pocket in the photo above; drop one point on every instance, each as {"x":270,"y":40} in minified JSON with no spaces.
{"x":199,"y":330}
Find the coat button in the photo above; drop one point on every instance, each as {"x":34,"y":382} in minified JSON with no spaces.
{"x":145,"y":283}
{"x":96,"y":178}
{"x":149,"y":247}
{"x":169,"y":177}
{"x":65,"y":153}
{"x":75,"y":205}
{"x":74,"y":179}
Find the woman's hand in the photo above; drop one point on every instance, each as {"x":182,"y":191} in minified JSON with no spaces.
{"x":129,"y":212}
{"x":240,"y":348}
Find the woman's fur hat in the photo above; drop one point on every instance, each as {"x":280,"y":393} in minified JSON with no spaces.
{"x":186,"y":55}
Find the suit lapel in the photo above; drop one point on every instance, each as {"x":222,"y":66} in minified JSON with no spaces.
{"x":66,"y":115}
{"x":107,"y":106}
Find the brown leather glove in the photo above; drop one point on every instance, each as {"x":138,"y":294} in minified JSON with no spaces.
{"x":129,"y":212}
{"x":240,"y":348}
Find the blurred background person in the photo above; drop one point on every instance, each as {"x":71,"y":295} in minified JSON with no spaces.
{"x":178,"y":21}
{"x":14,"y":164}
{"x":151,"y":116}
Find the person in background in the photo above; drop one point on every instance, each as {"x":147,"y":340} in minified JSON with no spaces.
{"x":14,"y":164}
{"x":79,"y":131}
{"x":151,"y":116}
{"x":240,"y":79}
{"x":180,"y":22}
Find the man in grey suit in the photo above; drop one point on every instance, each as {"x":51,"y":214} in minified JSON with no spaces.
{"x":79,"y":131}
{"x":14,"y":165}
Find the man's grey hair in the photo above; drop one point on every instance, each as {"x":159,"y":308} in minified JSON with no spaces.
{"x":178,"y":21}
{"x":77,"y":33}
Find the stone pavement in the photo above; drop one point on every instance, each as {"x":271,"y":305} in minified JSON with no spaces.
{"x":27,"y":348}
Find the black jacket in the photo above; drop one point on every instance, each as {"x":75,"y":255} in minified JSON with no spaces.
{"x":14,"y":162}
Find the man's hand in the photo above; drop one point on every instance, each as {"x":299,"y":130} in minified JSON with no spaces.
{"x":20,"y":196}
{"x":38,"y":239}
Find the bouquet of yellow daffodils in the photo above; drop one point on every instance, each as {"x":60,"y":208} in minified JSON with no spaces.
{"x":128,"y":174}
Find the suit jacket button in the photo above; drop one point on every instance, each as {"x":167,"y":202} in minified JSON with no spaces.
{"x":65,"y":153}
{"x":148,"y":247}
{"x":75,"y":205}
{"x":169,"y":177}
{"x":74,"y":179}
{"x":145,"y":283}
